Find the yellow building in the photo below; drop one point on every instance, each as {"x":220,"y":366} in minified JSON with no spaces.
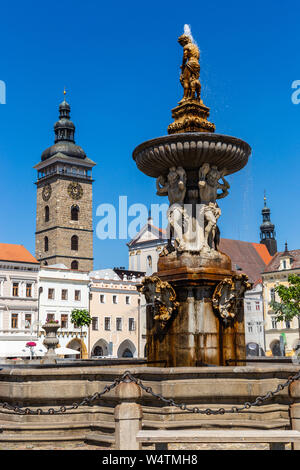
{"x":281,"y":337}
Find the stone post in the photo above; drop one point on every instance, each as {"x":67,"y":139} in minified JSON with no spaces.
{"x":128,"y":416}
{"x":294,"y":392}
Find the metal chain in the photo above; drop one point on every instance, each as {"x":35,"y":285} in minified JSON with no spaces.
{"x":208,"y":411}
{"x":127,"y":377}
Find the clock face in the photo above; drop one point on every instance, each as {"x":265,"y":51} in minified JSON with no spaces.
{"x":75,"y":191}
{"x":46,"y":192}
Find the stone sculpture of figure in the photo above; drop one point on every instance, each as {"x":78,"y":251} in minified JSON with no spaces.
{"x":209,"y":185}
{"x":211,"y":214}
{"x":175,"y":187}
{"x":190,"y":69}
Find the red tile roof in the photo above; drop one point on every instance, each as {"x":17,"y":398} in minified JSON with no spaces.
{"x":17,"y":253}
{"x":249,"y":258}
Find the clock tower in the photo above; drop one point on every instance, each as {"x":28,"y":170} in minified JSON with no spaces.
{"x":64,"y":218}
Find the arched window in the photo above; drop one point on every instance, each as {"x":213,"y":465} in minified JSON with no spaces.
{"x":98,"y":351}
{"x":149,"y":261}
{"x":127,"y":353}
{"x":74,"y":212}
{"x":74,"y":243}
{"x":47,"y":214}
{"x":74,"y":265}
{"x":46,"y":244}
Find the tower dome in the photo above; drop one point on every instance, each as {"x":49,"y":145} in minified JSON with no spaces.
{"x":64,"y":142}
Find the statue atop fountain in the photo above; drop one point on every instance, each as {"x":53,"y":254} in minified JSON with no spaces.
{"x":206,"y":323}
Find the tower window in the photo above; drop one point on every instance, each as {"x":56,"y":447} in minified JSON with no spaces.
{"x":47,"y":214}
{"x":74,"y":212}
{"x":74,"y":265}
{"x":46,"y":244}
{"x":74,"y":243}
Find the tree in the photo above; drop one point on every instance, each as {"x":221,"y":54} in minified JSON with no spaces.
{"x":289,"y":305}
{"x":81,"y":317}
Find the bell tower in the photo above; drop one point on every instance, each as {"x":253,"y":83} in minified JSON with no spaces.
{"x":64,"y":218}
{"x":267,"y":230}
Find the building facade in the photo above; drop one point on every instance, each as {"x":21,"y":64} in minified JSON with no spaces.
{"x":281,"y":337}
{"x":254,"y":321}
{"x":117,"y":328}
{"x":64,"y":226}
{"x":62,"y":291}
{"x":18,"y":299}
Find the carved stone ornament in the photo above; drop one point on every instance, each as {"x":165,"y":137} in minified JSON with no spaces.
{"x":46,"y":193}
{"x":75,"y":190}
{"x":161,"y":295}
{"x":228,"y":295}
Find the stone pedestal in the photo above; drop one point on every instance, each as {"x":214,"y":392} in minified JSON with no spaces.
{"x":50,"y":341}
{"x":195,"y":334}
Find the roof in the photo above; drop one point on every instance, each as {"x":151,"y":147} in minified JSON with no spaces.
{"x":16,"y":253}
{"x":275,"y":262}
{"x":247,"y":257}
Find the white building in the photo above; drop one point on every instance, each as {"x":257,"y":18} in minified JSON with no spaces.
{"x":18,"y":300}
{"x":254,"y":320}
{"x":64,"y":290}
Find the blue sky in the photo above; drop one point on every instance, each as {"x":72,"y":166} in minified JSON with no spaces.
{"x":120,"y":64}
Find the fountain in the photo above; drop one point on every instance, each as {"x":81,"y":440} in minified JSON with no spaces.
{"x":195,"y":309}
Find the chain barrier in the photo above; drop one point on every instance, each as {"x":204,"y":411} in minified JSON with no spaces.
{"x":127,"y":377}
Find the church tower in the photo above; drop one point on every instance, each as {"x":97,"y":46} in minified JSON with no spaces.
{"x":64,"y":218}
{"x":267,"y":230}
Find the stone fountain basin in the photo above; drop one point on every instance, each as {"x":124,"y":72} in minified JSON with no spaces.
{"x":190,"y":150}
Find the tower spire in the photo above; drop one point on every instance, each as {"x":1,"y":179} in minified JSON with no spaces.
{"x":64,"y":128}
{"x":267,"y":229}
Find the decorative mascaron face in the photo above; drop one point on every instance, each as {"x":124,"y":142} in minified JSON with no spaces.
{"x":75,"y":191}
{"x":46,"y":192}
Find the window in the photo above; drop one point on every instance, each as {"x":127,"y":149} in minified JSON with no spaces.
{"x":64,"y":320}
{"x":131,"y":324}
{"x":74,"y":265}
{"x":284,"y":264}
{"x":77,"y":295}
{"x":74,"y":243}
{"x":102,"y":299}
{"x":257,"y":306}
{"x":28,"y":290}
{"x":27,"y":320}
{"x":74,"y":212}
{"x":64,"y":294}
{"x":149,"y":261}
{"x":119,"y":324}
{"x":127,"y":299}
{"x":47,"y":214}
{"x":46,"y":244}
{"x":250,"y":329}
{"x":115,"y":299}
{"x":14,"y":320}
{"x":274,"y":323}
{"x":107,"y":323}
{"x":288,"y":324}
{"x":248,"y":306}
{"x":15,"y":291}
{"x":95,"y":326}
{"x":51,"y":294}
